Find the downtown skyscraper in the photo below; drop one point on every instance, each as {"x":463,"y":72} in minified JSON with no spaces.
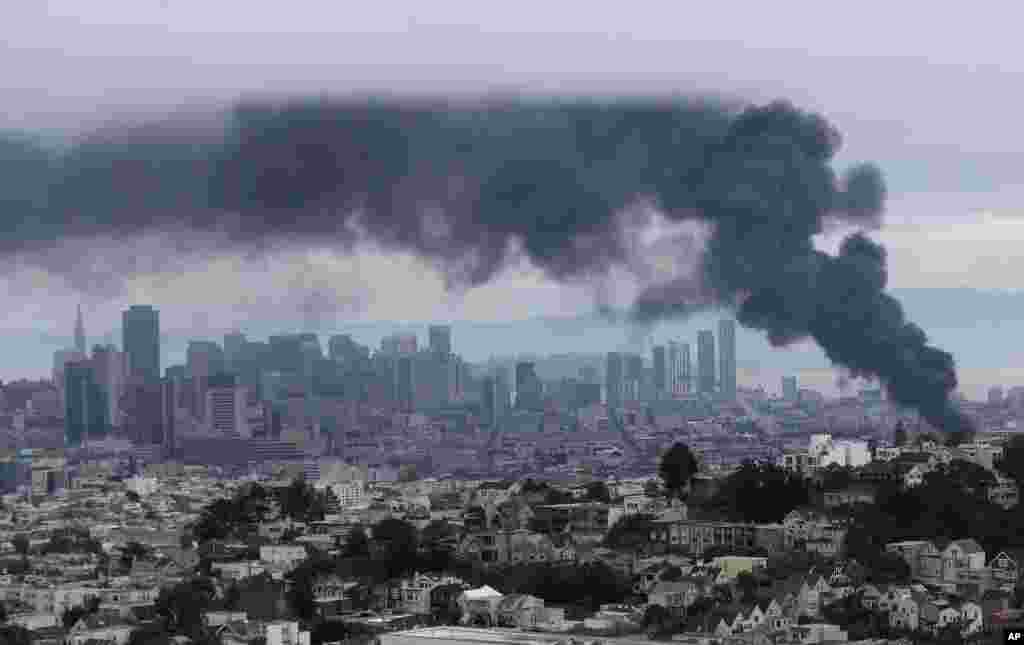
{"x":706,"y":362}
{"x":140,"y":328}
{"x":727,"y":358}
{"x":614,"y":380}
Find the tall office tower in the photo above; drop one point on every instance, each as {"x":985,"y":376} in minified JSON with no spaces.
{"x":613,"y":380}
{"x":529,"y":391}
{"x":84,"y":408}
{"x":706,"y":361}
{"x":686,"y":362}
{"x":399,"y":345}
{"x":204,"y":358}
{"x":727,"y":358}
{"x":790,"y":392}
{"x":233,"y":344}
{"x":226,"y":407}
{"x":488,"y":401}
{"x":80,"y":332}
{"x":634,"y":377}
{"x":405,"y":383}
{"x":253,"y":359}
{"x":440,"y":341}
{"x":675,"y":369}
{"x":61,"y":358}
{"x":143,"y":410}
{"x":589,"y":375}
{"x":140,"y":329}
{"x":169,"y":405}
{"x":660,"y":378}
{"x":178,"y":374}
{"x":285,"y":353}
{"x":109,"y":371}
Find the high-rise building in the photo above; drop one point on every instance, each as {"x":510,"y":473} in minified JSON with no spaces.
{"x":613,"y":378}
{"x":169,"y":407}
{"x":233,"y":344}
{"x":399,"y":345}
{"x":706,"y":361}
{"x":110,"y":372}
{"x":203,"y":359}
{"x":143,"y":410}
{"x":679,"y":372}
{"x":405,"y":382}
{"x":60,"y":360}
{"x":727,"y":358}
{"x":226,"y":407}
{"x":634,"y":380}
{"x":80,"y":332}
{"x":84,"y":409}
{"x":790,"y":392}
{"x":140,"y":328}
{"x":589,"y":374}
{"x":529,"y":391}
{"x":440,"y":341}
{"x":659,"y":359}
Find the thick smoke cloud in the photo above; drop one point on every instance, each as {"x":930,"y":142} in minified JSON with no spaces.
{"x":464,"y":184}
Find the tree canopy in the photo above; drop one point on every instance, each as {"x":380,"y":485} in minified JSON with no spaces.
{"x":677,"y":468}
{"x":761,"y":493}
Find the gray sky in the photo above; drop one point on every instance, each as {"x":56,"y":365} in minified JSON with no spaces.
{"x":928,"y":91}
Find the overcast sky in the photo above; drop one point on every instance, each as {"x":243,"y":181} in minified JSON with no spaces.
{"x":931,"y":92}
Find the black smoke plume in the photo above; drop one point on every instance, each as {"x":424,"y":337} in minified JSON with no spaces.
{"x":464,"y":184}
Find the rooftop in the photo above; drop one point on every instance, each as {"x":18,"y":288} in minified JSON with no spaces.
{"x":469,"y":635}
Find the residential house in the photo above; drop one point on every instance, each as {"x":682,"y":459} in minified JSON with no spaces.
{"x":905,"y":613}
{"x":849,"y":496}
{"x":697,"y":536}
{"x":287,"y":556}
{"x":1005,"y":570}
{"x":812,"y":633}
{"x":1004,"y":492}
{"x":914,"y":476}
{"x":333,"y":595}
{"x":286,"y":632}
{"x":94,"y":629}
{"x":479,"y":605}
{"x":503,"y":547}
{"x":675,"y":596}
{"x":517,"y":610}
{"x":416,"y":592}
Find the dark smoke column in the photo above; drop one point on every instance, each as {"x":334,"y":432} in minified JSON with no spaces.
{"x":767,"y":188}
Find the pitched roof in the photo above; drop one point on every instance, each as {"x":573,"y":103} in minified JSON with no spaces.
{"x":969,"y":545}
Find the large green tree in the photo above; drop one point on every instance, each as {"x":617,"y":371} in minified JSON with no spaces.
{"x":1011,"y":463}
{"x":677,"y":468}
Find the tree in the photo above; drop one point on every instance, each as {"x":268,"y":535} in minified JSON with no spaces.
{"x":395,"y":542}
{"x":1012,"y":462}
{"x":183,"y":605}
{"x":133,"y":551}
{"x":21,"y":544}
{"x":759,"y":493}
{"x":597,"y":491}
{"x":899,"y":435}
{"x":357,"y":544}
{"x":407,"y":473}
{"x":630,"y":532}
{"x":651,"y":488}
{"x":677,"y":469}
{"x":746,"y":585}
{"x":15,"y":635}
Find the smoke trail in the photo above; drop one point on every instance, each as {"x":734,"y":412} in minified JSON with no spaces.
{"x":462,"y":185}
